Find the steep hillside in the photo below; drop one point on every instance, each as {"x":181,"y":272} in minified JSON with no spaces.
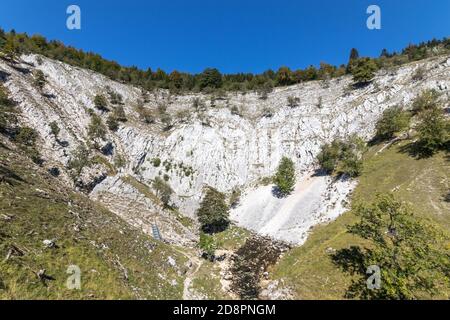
{"x":423,"y":184}
{"x":45,"y":227}
{"x":239,"y":138}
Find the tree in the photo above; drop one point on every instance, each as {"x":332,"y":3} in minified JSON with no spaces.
{"x":213,"y":213}
{"x":433,"y":131}
{"x":176,"y":79}
{"x":10,"y":48}
{"x":285,"y":177}
{"x":410,"y":253}
{"x":392,"y":121}
{"x":163,"y":190}
{"x":210,"y":78}
{"x":363,"y":71}
{"x":284,"y":76}
{"x":354,"y":56}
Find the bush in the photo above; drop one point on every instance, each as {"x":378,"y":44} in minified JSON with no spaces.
{"x":156,"y":162}
{"x":101,"y":103}
{"x":393,"y":120}
{"x":39,"y":79}
{"x":285,"y":177}
{"x":112,"y":123}
{"x":427,"y":100}
{"x":341,"y":157}
{"x":208,"y":246}
{"x":96,"y":129}
{"x":433,"y":131}
{"x":213,"y":213}
{"x":55,"y":129}
{"x":26,"y":136}
{"x":363,"y":71}
{"x":163,"y":190}
{"x":293,"y":101}
{"x":145,"y":114}
{"x":79,"y":160}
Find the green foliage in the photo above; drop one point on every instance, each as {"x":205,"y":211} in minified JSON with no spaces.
{"x":163,"y":190}
{"x":156,"y":162}
{"x":100,"y":102}
{"x":343,"y":157}
{"x":7,"y":111}
{"x":145,"y":114}
{"x":410,"y":253}
{"x":208,"y":246}
{"x":112,"y":123}
{"x":393,"y":120}
{"x":55,"y":129}
{"x":96,"y":129}
{"x":285,"y":177}
{"x":79,"y":160}
{"x":213,"y":213}
{"x":210,"y":78}
{"x":39,"y":79}
{"x":235,"y":197}
{"x":433,"y":131}
{"x":26,"y":136}
{"x":119,"y":114}
{"x":363,"y":70}
{"x":427,"y":100}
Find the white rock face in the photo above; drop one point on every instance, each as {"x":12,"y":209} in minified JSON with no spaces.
{"x":316,"y":199}
{"x":211,"y":147}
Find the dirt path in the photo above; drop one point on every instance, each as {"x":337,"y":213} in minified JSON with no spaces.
{"x":190,"y":275}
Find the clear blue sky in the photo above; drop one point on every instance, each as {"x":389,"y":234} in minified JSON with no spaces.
{"x":232,"y":35}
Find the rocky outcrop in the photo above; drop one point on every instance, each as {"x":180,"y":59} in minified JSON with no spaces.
{"x":205,"y":146}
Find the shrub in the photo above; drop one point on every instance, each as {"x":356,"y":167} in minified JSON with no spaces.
{"x":293,"y":101}
{"x":145,"y":114}
{"x":26,"y":136}
{"x":393,"y":120}
{"x":208,"y":246}
{"x":96,"y":128}
{"x":101,"y":103}
{"x":39,"y":79}
{"x":79,"y":160}
{"x":213,"y":213}
{"x":112,"y":123}
{"x":427,"y":100}
{"x":156,"y":162}
{"x":235,"y":197}
{"x":285,"y":177}
{"x":163,"y":190}
{"x":433,"y":131}
{"x":363,"y":70}
{"x":343,"y":157}
{"x":55,"y":129}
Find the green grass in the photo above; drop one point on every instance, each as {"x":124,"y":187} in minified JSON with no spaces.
{"x":87,"y":235}
{"x":422,"y":183}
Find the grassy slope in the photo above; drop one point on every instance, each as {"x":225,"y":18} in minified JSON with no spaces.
{"x":423,"y":183}
{"x":42,"y":208}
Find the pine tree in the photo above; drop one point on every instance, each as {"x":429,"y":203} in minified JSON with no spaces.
{"x":363,"y":70}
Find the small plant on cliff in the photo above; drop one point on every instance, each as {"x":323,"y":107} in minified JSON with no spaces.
{"x":163,"y":190}
{"x":393,"y":120}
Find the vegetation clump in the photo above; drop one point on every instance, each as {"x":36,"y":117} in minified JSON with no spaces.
{"x":343,"y":157}
{"x":213,"y":213}
{"x":408,"y":254}
{"x":285,"y":177}
{"x":393,"y":120}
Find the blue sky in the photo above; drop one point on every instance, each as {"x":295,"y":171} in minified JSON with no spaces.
{"x":232,"y":35}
